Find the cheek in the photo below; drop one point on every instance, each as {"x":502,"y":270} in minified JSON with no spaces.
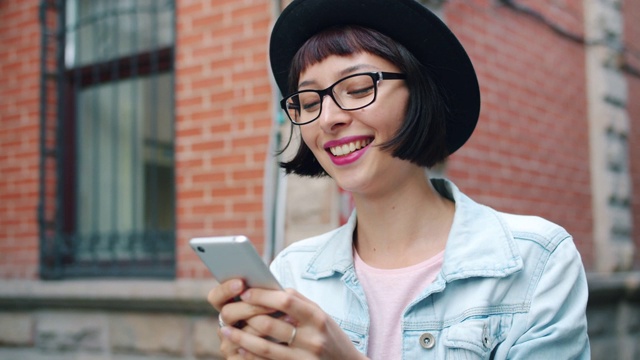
{"x":389,"y":118}
{"x":306,"y":136}
{"x":389,"y":123}
{"x":399,"y":116}
{"x":309,"y":136}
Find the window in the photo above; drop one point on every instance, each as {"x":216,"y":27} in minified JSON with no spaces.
{"x":108,"y":188}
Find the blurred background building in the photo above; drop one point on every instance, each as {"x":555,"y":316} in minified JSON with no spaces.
{"x":128,"y":127}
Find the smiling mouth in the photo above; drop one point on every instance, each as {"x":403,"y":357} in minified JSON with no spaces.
{"x":346,"y":149}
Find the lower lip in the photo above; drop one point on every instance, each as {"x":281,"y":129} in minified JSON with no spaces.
{"x":348,"y":159}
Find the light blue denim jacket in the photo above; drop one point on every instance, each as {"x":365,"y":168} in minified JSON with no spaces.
{"x":510,"y":287}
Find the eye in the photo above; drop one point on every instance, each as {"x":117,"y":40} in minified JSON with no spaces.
{"x":360,"y":92}
{"x":356,"y":87}
{"x":309,"y":102}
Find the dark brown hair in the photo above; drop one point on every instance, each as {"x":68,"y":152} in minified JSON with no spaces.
{"x":421,"y":138}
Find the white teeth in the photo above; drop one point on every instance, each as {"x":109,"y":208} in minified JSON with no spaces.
{"x":345,"y":149}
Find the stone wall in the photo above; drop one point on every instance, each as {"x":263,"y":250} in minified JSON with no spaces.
{"x":65,"y":334}
{"x":107,"y":320}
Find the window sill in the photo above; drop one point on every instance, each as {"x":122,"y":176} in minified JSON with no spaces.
{"x":182,"y":295}
{"x":607,"y":287}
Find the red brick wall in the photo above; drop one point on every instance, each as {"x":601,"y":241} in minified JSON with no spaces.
{"x":528,"y":155}
{"x":530,"y":152}
{"x":223,"y":121}
{"x":631,"y":10}
{"x":19,"y":138}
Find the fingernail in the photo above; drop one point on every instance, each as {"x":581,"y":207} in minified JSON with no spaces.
{"x":245,"y":295}
{"x":242,"y":352}
{"x":226,"y":332}
{"x":236,"y":285}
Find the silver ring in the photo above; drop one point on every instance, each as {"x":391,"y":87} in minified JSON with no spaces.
{"x":220,"y":321}
{"x":293,"y":336}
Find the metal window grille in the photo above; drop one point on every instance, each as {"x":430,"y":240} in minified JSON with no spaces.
{"x":107,"y":180}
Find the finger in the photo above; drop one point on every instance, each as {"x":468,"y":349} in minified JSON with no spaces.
{"x":243,"y":355}
{"x":277,"y":330}
{"x":240,"y":311}
{"x":303,"y":308}
{"x":249,"y":356}
{"x":230,"y":349}
{"x":224,"y":293}
{"x":235,"y":357}
{"x":257,"y":346}
{"x":290,"y":302}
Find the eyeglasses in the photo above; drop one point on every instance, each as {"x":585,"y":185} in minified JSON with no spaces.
{"x":353,"y":92}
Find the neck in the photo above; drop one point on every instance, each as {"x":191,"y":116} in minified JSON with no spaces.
{"x":404,"y":227}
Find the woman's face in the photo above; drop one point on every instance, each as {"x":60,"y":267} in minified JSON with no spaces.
{"x":346,"y":142}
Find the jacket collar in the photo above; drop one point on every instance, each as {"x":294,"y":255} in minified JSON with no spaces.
{"x":479,"y":245}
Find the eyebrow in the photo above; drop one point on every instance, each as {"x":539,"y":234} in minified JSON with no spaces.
{"x":344,"y":72}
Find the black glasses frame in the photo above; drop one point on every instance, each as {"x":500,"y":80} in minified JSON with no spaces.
{"x":375,"y":76}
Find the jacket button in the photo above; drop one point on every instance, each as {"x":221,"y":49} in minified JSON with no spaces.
{"x":427,"y":341}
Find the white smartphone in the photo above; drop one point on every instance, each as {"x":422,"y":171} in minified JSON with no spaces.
{"x":229,"y":257}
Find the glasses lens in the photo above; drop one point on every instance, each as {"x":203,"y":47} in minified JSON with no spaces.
{"x":350,"y":93}
{"x":303,"y":106}
{"x":355,"y":92}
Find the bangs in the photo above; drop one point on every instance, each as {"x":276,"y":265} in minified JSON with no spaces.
{"x":340,"y":41}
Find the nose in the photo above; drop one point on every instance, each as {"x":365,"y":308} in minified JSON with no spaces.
{"x":332,"y":117}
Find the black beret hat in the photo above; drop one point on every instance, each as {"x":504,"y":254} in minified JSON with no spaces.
{"x":407,"y":22}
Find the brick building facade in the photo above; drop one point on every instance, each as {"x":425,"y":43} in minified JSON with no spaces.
{"x":558,"y":137}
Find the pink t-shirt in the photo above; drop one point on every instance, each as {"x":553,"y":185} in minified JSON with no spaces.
{"x":388,"y":293}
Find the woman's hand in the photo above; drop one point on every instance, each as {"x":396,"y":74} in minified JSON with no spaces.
{"x":225,"y":293}
{"x":223,"y":298}
{"x":304,"y":332}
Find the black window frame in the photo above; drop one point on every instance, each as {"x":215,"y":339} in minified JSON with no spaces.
{"x":57,"y":210}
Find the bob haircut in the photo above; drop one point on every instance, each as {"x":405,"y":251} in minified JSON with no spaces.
{"x":421,"y":138}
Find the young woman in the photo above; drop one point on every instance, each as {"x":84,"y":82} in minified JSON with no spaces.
{"x":381,"y":90}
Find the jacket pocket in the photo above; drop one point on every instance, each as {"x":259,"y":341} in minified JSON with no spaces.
{"x":476,"y":337}
{"x":357,"y":339}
